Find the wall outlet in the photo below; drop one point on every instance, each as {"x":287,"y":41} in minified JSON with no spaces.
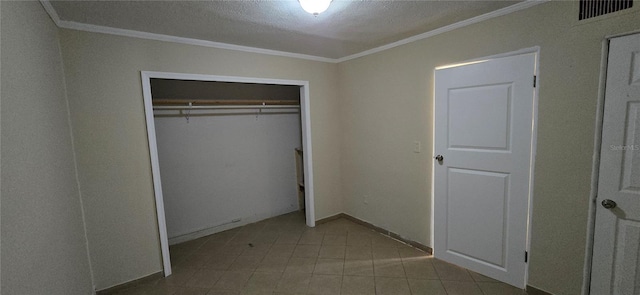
{"x":416,"y":147}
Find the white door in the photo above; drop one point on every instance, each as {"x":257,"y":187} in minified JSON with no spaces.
{"x":483,"y":131}
{"x":616,"y":252}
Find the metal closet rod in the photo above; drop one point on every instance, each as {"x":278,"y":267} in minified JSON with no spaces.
{"x":228,"y":107}
{"x":182,"y":104}
{"x":159,"y":102}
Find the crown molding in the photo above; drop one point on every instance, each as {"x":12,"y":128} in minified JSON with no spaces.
{"x":199,"y":42}
{"x":500,"y":12}
{"x":189,"y":41}
{"x":51,"y":11}
{"x":168,"y":38}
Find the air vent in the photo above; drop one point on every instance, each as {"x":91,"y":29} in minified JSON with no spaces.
{"x":593,"y":8}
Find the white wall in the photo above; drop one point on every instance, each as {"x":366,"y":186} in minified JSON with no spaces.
{"x":44,"y":248}
{"x":217,"y":168}
{"x":387,"y":104}
{"x":107,"y":115}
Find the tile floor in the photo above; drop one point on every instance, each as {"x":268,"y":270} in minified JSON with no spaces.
{"x":282,"y":256}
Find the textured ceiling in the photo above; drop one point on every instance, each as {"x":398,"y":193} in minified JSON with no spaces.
{"x":346,"y":28}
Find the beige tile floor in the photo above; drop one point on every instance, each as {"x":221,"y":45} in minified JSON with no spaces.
{"x":282,"y":256}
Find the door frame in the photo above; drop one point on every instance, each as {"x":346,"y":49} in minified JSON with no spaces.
{"x":595,"y":165}
{"x":534,"y":139}
{"x":305,"y":113}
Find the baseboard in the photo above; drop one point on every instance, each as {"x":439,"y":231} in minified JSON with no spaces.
{"x":535,"y":291}
{"x":226,"y":225}
{"x":141,"y":281}
{"x":377,"y":229}
{"x":331,"y":218}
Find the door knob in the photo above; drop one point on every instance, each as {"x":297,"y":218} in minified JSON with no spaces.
{"x":609,"y":204}
{"x":439,"y":158}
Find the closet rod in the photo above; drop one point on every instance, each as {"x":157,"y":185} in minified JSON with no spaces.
{"x":229,"y":107}
{"x":223,"y":102}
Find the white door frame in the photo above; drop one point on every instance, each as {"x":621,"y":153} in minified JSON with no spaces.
{"x":305,"y":113}
{"x":534,"y":134}
{"x":595,"y":166}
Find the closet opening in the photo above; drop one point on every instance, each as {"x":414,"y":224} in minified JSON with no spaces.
{"x":225,"y":152}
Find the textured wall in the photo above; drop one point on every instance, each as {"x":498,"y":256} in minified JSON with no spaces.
{"x":44,"y":248}
{"x":107,"y":113}
{"x":387,"y":98}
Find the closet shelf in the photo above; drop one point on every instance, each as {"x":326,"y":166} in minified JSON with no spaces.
{"x":211,"y":102}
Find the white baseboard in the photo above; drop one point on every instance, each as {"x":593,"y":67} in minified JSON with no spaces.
{"x":227,"y":225}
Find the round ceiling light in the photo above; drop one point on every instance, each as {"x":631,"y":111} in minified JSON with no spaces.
{"x":315,"y":7}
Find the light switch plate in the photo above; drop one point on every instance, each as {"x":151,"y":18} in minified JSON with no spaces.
{"x":416,"y":147}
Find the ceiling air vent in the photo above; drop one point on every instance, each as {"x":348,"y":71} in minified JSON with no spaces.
{"x":593,"y":8}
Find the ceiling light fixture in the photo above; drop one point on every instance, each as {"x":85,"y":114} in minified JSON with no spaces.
{"x":314,"y":7}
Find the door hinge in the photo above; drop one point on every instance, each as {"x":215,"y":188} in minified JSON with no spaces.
{"x":526,"y":256}
{"x":534,"y":80}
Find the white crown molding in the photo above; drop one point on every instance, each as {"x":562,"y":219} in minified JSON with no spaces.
{"x":183,"y":40}
{"x":168,"y":38}
{"x":198,"y":42}
{"x":51,"y":11}
{"x":500,"y":12}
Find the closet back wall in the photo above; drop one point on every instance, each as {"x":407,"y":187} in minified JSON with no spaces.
{"x":195,"y":90}
{"x":226,"y":168}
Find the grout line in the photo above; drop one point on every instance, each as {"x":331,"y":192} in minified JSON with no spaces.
{"x":256,"y":231}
